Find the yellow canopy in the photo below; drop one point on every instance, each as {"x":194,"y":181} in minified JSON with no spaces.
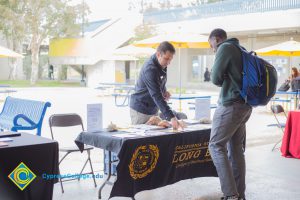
{"x":179,"y":40}
{"x":5,"y":53}
{"x":70,"y":47}
{"x":289,"y":48}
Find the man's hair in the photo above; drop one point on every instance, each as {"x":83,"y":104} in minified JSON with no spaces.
{"x":219,"y":33}
{"x":166,"y":46}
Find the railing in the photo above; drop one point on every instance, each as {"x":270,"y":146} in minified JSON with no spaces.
{"x":229,"y":7}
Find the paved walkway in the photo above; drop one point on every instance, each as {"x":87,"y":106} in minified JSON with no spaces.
{"x":269,"y":176}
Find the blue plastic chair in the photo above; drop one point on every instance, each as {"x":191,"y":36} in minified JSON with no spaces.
{"x":23,"y":114}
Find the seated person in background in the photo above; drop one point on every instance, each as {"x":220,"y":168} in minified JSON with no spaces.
{"x":284,"y":86}
{"x":295,"y":79}
{"x":294,"y":74}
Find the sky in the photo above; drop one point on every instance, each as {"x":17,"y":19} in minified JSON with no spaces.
{"x":104,"y":9}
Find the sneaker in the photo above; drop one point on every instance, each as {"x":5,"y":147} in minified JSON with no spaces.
{"x":231,"y":198}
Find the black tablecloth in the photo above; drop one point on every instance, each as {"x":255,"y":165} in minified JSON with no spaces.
{"x":40,"y":155}
{"x":152,"y":162}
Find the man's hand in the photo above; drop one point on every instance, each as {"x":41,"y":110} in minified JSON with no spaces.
{"x":175,"y":124}
{"x":167,"y":95}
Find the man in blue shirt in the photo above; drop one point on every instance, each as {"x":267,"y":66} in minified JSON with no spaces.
{"x":151,"y":94}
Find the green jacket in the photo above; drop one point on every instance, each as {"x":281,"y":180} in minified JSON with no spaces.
{"x":227,"y":72}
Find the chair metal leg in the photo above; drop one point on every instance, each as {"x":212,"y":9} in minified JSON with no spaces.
{"x":63,"y":158}
{"x":88,"y":160}
{"x":61,"y":185}
{"x":83,"y":168}
{"x":92,"y":172}
{"x":60,"y":179}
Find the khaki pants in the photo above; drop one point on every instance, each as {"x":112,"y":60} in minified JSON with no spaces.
{"x":139,"y":118}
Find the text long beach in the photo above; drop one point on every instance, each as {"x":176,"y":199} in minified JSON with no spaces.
{"x":145,"y":159}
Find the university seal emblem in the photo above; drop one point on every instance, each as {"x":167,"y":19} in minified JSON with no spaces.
{"x":143,"y":161}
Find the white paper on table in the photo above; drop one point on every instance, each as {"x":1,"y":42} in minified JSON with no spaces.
{"x":3,"y":144}
{"x":147,"y":127}
{"x":161,"y":132}
{"x":134,"y":131}
{"x":197,"y":127}
{"x":191,"y":121}
{"x":124,"y":135}
{"x":202,"y":108}
{"x":154,"y":133}
{"x":6,"y":139}
{"x":140,"y":133}
{"x":94,"y":117}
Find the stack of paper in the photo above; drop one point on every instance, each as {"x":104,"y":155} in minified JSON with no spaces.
{"x":6,"y":139}
{"x":9,"y":134}
{"x":191,"y":121}
{"x":3,"y":144}
{"x":124,"y":135}
{"x":197,"y":127}
{"x":147,"y":127}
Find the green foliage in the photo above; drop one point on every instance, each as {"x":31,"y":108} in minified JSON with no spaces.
{"x":64,"y":72}
{"x":43,"y":66}
{"x":213,"y":1}
{"x":41,"y":83}
{"x":12,"y":13}
{"x":27,"y":67}
{"x":177,"y":90}
{"x":143,"y":31}
{"x":145,"y":6}
{"x":52,"y":18}
{"x":33,"y":21}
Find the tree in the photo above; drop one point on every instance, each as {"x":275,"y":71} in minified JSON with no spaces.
{"x":34,"y":21}
{"x":144,"y":6}
{"x":49,"y":18}
{"x":143,"y":31}
{"x":12,"y":14}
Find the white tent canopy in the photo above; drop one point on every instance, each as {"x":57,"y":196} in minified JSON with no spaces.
{"x":7,"y":53}
{"x":131,"y":50}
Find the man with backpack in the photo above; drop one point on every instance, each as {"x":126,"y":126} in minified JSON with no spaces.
{"x":228,"y":131}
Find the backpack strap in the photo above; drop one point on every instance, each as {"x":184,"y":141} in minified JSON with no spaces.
{"x":242,"y":69}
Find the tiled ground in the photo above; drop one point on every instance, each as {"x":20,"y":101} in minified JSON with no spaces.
{"x":269,"y":176}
